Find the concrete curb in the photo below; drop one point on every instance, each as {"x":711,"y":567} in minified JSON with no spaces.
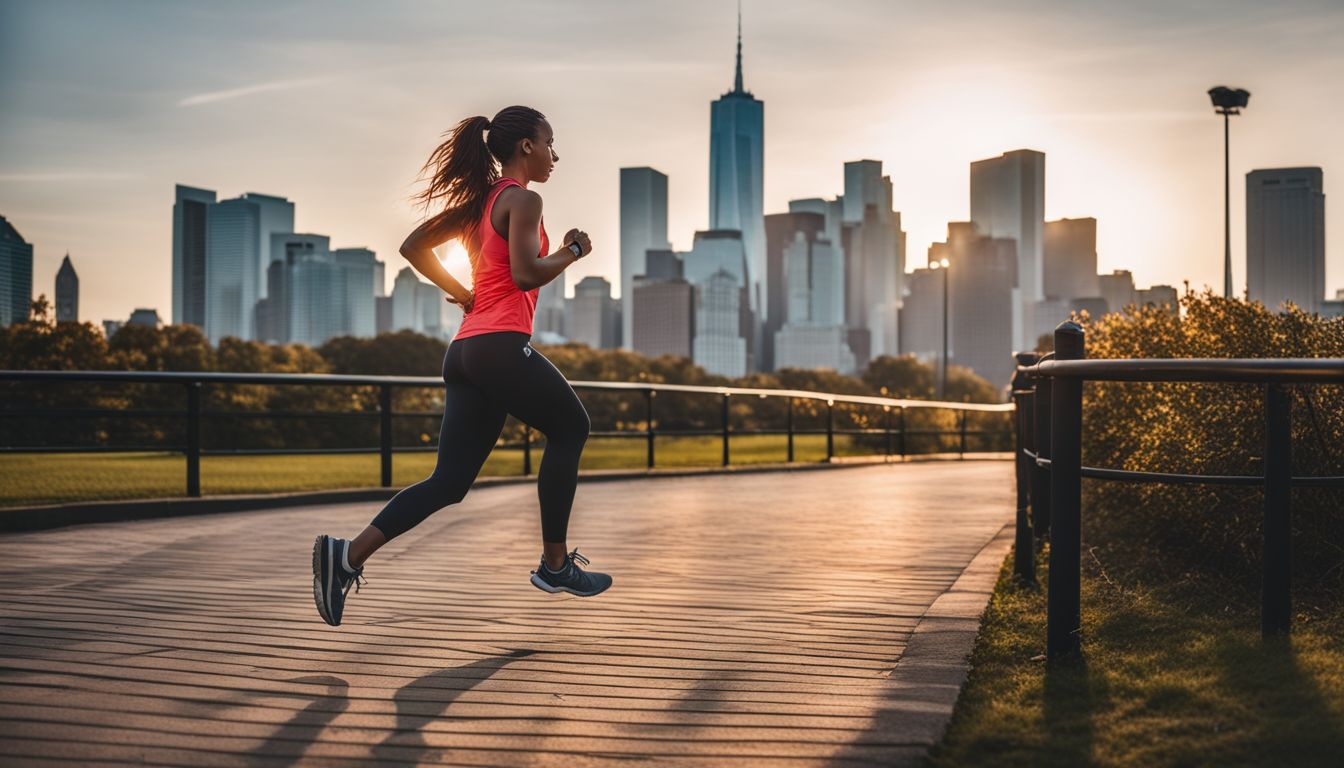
{"x":924,"y":686}
{"x":38,"y":518}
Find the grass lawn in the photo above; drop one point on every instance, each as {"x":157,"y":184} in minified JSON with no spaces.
{"x":1176,"y":675}
{"x":27,"y":479}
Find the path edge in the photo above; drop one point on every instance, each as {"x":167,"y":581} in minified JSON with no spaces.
{"x":923,"y":688}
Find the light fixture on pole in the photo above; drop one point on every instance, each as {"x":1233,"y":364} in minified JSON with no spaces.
{"x":942,"y":359}
{"x":1227,"y":102}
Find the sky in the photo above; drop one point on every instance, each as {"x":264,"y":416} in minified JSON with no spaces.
{"x":106,"y":104}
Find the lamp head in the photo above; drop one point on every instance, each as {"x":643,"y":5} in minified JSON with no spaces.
{"x":1229,"y":101}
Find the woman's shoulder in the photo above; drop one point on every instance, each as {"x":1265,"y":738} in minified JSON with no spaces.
{"x":519,"y":197}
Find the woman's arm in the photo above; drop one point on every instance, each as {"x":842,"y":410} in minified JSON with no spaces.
{"x":419,"y":251}
{"x":527,"y":270}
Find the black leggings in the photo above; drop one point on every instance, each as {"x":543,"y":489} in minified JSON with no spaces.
{"x":489,"y":377}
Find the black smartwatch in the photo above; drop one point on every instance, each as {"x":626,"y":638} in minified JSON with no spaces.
{"x":577,"y":249}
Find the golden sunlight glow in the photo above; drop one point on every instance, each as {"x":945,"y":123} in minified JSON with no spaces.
{"x":454,"y":259}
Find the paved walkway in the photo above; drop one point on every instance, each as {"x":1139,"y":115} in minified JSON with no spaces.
{"x":755,"y":619}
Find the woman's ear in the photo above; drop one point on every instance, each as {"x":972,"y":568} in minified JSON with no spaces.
{"x":526,"y":146}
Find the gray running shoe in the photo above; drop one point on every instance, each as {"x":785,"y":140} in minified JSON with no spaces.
{"x":571,"y":578}
{"x":331,"y":580}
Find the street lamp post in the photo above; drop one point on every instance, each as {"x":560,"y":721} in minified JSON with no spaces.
{"x":1227,"y":102}
{"x":942,"y":360}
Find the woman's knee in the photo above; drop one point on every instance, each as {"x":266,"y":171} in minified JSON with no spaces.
{"x":449,"y":490}
{"x":573,"y":431}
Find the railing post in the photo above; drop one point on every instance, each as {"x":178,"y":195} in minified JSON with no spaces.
{"x":886,"y":427}
{"x":725,"y":428}
{"x":900,"y":414}
{"x":962,"y":450}
{"x":194,"y":439}
{"x":648,"y":421}
{"x":830,"y":430}
{"x":1063,"y":617}
{"x":1024,"y":560}
{"x":527,"y":450}
{"x":1040,"y":476}
{"x":1276,"y":601}
{"x":789,"y":426}
{"x":385,"y":432}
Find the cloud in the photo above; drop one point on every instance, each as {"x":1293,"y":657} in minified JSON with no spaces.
{"x":63,"y":176}
{"x":248,"y":90}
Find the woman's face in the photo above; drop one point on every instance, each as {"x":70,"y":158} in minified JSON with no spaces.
{"x":541,"y":156}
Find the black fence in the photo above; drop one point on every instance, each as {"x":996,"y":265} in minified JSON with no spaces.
{"x":203,"y":414}
{"x":1048,"y":393}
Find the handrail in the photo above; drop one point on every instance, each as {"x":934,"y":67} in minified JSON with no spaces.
{"x":1048,"y":392}
{"x":179,"y":377}
{"x":1195,"y":369}
{"x":194,"y":413}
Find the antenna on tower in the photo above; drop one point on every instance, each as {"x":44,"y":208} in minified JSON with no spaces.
{"x":737,"y":82}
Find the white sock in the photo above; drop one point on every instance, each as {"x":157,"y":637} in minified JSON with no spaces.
{"x":345,"y":558}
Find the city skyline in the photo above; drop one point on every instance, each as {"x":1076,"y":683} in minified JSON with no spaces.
{"x":86,"y":162}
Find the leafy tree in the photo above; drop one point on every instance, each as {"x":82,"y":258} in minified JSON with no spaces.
{"x":899,"y":376}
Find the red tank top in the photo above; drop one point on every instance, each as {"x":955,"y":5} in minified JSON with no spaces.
{"x":499,"y":305}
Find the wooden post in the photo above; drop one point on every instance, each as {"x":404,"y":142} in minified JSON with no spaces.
{"x":1063,"y":619}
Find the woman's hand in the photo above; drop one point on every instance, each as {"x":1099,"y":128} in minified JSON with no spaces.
{"x":580,"y":237}
{"x":466,"y":307}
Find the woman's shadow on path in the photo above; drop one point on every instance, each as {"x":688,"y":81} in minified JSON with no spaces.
{"x":427,"y":698}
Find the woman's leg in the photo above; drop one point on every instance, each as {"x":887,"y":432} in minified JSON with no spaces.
{"x":522,"y":381}
{"x":471,"y":425}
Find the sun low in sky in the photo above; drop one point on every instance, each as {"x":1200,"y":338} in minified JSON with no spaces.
{"x":104,"y":106}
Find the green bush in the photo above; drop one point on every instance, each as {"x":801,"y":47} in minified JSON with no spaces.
{"x":1212,"y":533}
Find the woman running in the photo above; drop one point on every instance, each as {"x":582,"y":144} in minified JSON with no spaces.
{"x":490,"y":370}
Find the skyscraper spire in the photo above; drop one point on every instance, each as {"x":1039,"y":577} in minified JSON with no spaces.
{"x":737,"y":81}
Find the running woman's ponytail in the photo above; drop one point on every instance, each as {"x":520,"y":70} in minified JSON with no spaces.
{"x":462,"y":168}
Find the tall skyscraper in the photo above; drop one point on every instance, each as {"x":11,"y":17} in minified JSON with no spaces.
{"x":664,"y":307}
{"x":719,"y":346}
{"x":190,"y":210}
{"x":362,"y":269}
{"x":405,"y":312}
{"x":874,"y":257}
{"x":982,"y":300}
{"x":238,"y":254}
{"x":1008,"y":201}
{"x":594,"y":316}
{"x":67,"y":293}
{"x":664,"y":322}
{"x":274,"y":214}
{"x":16,"y":274}
{"x":1117,"y":289}
{"x":420,"y":307}
{"x":298,"y":301}
{"x":232,"y":245}
{"x":719,"y":254}
{"x":736,"y":175}
{"x":781,"y":229}
{"x":1285,"y":237}
{"x":643,"y":227}
{"x":548,"y":324}
{"x":922,"y":314}
{"x":315,"y":293}
{"x":813,"y":334}
{"x":1070,"y":252}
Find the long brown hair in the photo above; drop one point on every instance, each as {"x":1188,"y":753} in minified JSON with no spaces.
{"x":462,"y":169}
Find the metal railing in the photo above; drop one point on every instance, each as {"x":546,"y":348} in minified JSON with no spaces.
{"x":895,"y":435}
{"x":1048,"y":393}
